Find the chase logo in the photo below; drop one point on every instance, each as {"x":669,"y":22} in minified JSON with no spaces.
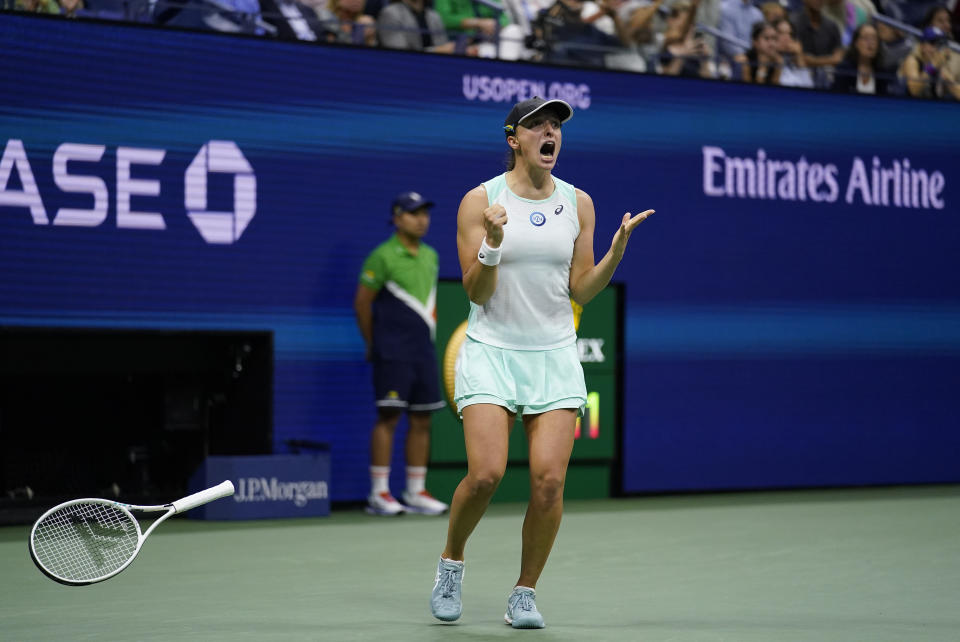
{"x":538,"y":219}
{"x":217,"y":156}
{"x":225,"y":157}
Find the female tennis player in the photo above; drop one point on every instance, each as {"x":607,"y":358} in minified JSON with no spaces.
{"x":525,"y":242}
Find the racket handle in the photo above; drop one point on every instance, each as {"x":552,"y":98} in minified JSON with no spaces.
{"x":203,"y":497}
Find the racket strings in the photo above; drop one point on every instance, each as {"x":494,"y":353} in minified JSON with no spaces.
{"x":85,"y":541}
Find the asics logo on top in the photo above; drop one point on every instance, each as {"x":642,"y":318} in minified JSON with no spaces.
{"x":538,"y":219}
{"x":217,"y":156}
{"x":559,"y":209}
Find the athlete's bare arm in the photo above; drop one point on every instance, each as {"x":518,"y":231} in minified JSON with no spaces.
{"x":587,"y":279}
{"x":476,"y":220}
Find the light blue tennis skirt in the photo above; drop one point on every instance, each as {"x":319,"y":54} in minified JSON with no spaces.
{"x":525,"y":381}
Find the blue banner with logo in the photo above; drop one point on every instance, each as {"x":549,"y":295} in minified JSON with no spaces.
{"x":265,"y":487}
{"x":792,"y":312}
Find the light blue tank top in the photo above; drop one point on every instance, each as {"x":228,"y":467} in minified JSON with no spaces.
{"x":530,"y":309}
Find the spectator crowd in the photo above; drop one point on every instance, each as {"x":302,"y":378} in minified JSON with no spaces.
{"x":892,"y":47}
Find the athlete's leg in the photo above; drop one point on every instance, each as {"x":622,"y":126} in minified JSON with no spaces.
{"x":424,"y":398}
{"x":416,"y":496}
{"x":381,"y":441}
{"x":550,"y":437}
{"x":418,"y":439}
{"x":486,"y":431}
{"x":392,"y":381}
{"x":381,"y":501}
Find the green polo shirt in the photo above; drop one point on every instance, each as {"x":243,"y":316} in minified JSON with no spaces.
{"x":404,"y":311}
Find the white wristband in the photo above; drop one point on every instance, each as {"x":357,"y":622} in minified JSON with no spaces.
{"x":489,"y":255}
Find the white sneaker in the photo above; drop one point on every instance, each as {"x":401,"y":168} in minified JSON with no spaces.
{"x":384,"y":504}
{"x":423,"y":502}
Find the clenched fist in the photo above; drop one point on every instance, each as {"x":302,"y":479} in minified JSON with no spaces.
{"x":494,"y":218}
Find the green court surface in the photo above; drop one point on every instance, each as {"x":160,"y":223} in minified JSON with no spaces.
{"x":864,"y":564}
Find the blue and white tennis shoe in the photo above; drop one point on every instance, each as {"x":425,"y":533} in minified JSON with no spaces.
{"x":522,"y":610}
{"x":445,"y":602}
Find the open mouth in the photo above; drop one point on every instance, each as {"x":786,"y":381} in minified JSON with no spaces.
{"x":548,"y":149}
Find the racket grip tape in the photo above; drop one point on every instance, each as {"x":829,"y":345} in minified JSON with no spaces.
{"x":224,"y":489}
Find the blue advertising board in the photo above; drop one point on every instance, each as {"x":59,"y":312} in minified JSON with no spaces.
{"x":792,"y":309}
{"x":265,"y":487}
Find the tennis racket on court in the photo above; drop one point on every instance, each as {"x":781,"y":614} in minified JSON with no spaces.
{"x":84,"y":541}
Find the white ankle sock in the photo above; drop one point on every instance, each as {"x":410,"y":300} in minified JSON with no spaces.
{"x":379,"y":479}
{"x":416,"y":479}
